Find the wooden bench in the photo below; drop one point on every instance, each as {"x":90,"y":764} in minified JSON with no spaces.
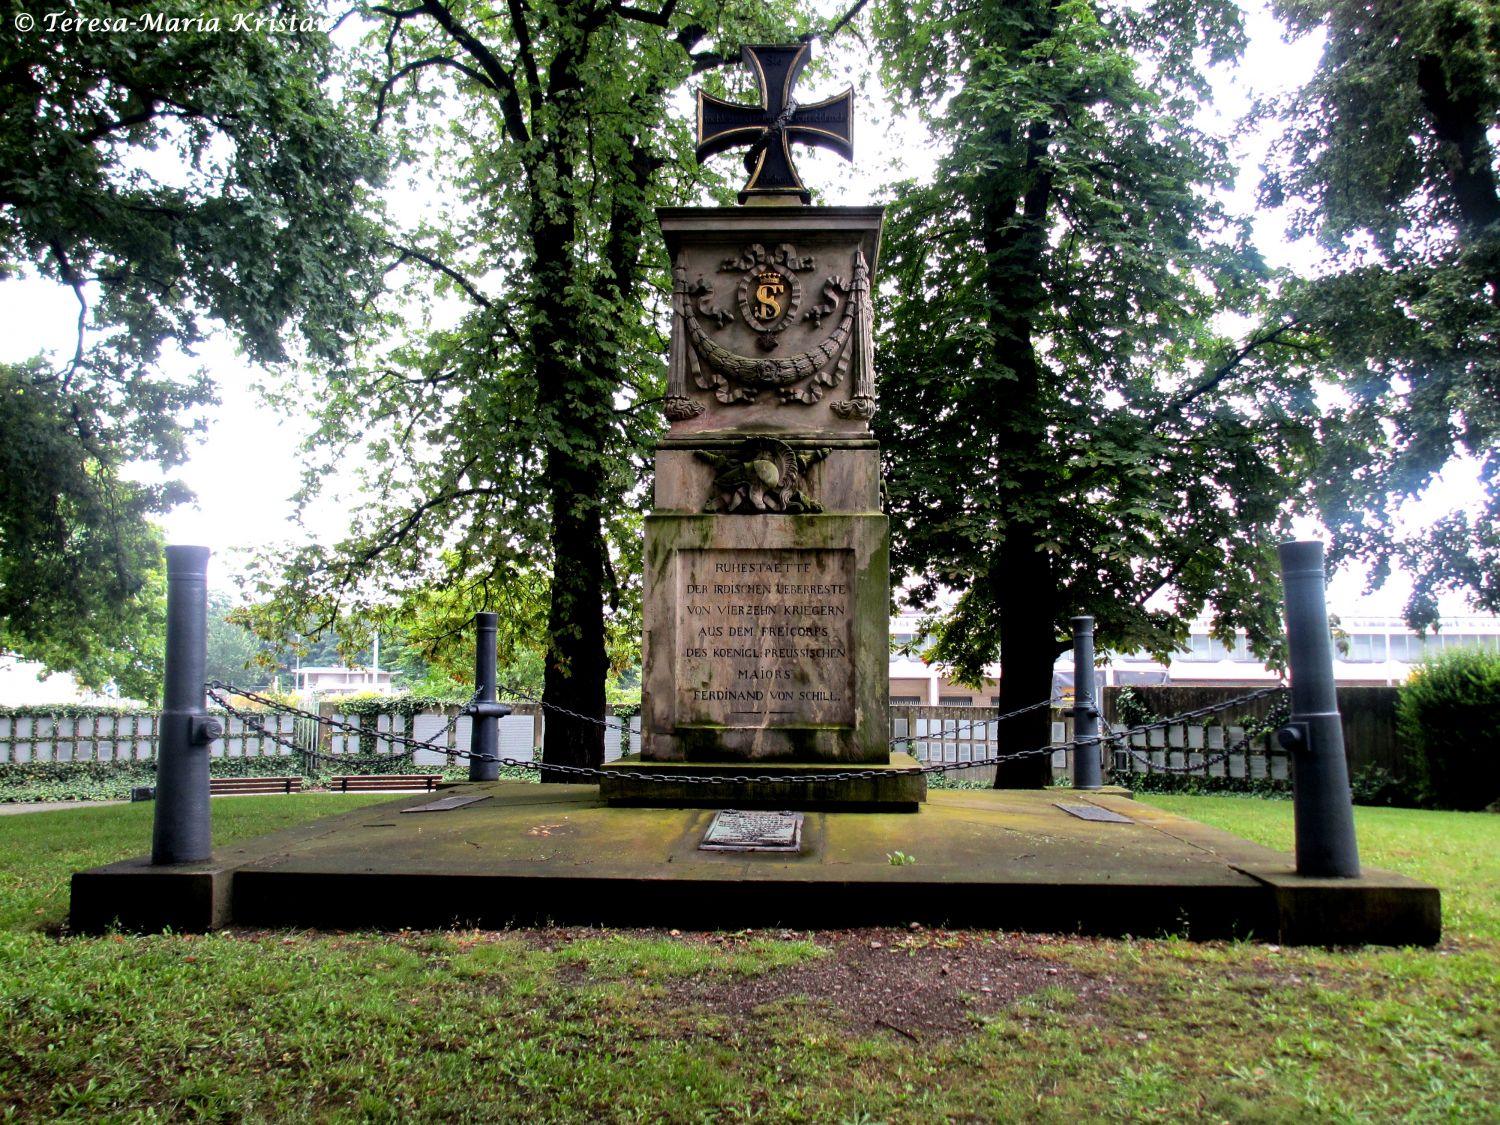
{"x":364,"y":782}
{"x":230,"y":786}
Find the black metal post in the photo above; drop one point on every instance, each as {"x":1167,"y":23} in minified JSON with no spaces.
{"x":181,"y":832}
{"x":1322,"y":804}
{"x":1086,"y":751}
{"x":485,"y":714}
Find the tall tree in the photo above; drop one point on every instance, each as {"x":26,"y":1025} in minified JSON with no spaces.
{"x":1065,"y":432}
{"x":508,"y":431}
{"x":81,"y":578}
{"x":172,"y":172}
{"x":233,"y":653}
{"x":1387,"y":159}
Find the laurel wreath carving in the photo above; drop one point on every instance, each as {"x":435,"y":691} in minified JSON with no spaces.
{"x":716,"y":367}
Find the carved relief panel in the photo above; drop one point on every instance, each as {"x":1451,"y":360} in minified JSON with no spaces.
{"x":772,"y":322}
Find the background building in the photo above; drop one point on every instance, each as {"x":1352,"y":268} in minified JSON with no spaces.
{"x":1371,"y":652}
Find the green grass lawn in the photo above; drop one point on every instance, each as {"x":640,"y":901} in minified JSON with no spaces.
{"x":580,"y":1025}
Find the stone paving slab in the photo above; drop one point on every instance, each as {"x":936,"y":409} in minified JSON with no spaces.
{"x":556,"y":853}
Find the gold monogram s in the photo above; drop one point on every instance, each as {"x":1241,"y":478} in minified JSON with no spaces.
{"x":769,"y":288}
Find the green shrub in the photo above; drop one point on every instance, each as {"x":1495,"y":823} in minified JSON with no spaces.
{"x":73,"y":781}
{"x":1448,"y":713}
{"x":1189,"y":784}
{"x":1376,"y":785}
{"x":113,"y":780}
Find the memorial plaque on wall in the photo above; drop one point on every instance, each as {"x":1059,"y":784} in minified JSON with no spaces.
{"x":763,"y":637}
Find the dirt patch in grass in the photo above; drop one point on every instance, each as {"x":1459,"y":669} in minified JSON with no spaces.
{"x":917,"y":983}
{"x":920,"y":984}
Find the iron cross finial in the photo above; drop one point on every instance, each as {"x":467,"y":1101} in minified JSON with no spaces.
{"x":771,"y":127}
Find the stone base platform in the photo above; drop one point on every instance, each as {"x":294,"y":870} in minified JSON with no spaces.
{"x":531,"y":854}
{"x":740,"y":785}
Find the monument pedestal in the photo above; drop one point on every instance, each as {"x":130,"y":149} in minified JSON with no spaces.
{"x":766,"y":639}
{"x":766,"y":569}
{"x":856,"y":787}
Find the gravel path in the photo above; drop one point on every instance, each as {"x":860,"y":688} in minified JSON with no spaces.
{"x":11,"y":808}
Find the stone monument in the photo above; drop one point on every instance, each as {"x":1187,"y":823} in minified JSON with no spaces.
{"x":766,"y":560}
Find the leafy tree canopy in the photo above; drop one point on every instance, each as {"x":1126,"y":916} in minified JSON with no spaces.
{"x":82,"y":580}
{"x":1066,"y":430}
{"x":234,"y":654}
{"x":1387,"y":161}
{"x":174,"y":176}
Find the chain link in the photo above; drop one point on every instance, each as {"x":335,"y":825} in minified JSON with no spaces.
{"x":438,"y":744}
{"x":943,"y":736}
{"x":1196,"y":767}
{"x":898,"y":741}
{"x":1122,"y":738}
{"x":215,"y":687}
{"x":1202,"y":712}
{"x":769,"y":779}
{"x":560,"y":710}
{"x":251,"y":719}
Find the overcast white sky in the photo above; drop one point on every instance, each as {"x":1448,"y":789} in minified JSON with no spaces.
{"x":247,"y":468}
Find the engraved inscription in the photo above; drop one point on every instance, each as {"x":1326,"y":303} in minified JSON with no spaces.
{"x":735,"y":831}
{"x":763,"y":637}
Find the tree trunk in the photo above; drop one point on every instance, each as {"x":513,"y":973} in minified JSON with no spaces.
{"x":573,"y":686}
{"x":1022,"y":582}
{"x":1024,"y":591}
{"x":1461,"y":120}
{"x":575,"y":403}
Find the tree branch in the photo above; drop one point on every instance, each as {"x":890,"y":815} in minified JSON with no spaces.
{"x":432,"y":60}
{"x":662,"y":18}
{"x":638,"y":404}
{"x":443,"y":268}
{"x":705,"y":60}
{"x":75,"y":282}
{"x":844,"y":20}
{"x":396,"y":533}
{"x":505,"y":83}
{"x":1257,"y":340}
{"x":99,"y":132}
{"x":527,"y":53}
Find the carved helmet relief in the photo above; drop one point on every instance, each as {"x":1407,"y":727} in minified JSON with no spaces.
{"x":762,"y":475}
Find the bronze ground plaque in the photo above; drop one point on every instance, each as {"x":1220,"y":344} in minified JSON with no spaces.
{"x":447,"y":804}
{"x":735,"y":830}
{"x":1094,"y":812}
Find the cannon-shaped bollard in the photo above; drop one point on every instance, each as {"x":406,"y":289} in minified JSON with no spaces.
{"x":1322,"y":805}
{"x":1086,"y":750}
{"x":181,"y":830}
{"x":484,"y":742}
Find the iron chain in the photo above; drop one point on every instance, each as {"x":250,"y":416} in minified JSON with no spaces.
{"x":215,"y":688}
{"x":1203,"y":766}
{"x":1162,"y":724}
{"x":1202,"y":712}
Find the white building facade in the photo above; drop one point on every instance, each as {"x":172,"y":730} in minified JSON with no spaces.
{"x":1370,"y":652}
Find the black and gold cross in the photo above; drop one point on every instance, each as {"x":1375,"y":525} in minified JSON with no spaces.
{"x":771,"y":127}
